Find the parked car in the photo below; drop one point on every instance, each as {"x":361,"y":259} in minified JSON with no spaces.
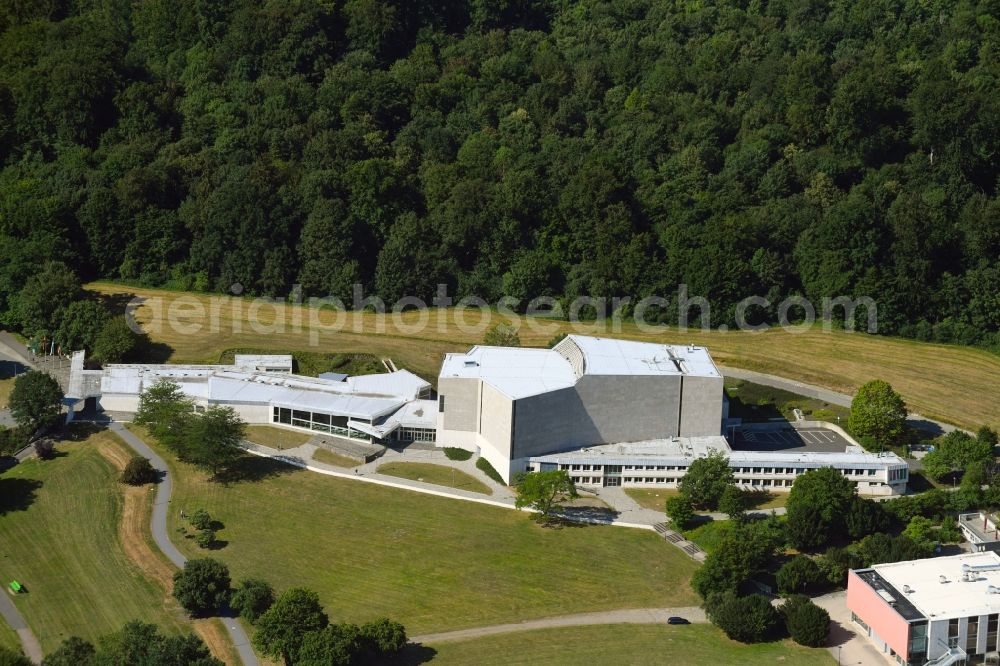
{"x":673,"y":619}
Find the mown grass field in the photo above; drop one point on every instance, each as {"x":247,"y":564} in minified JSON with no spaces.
{"x":64,"y":546}
{"x":432,"y":563}
{"x":635,"y":645}
{"x":9,"y":639}
{"x":948,"y":382}
{"x":439,"y":475}
{"x":331,"y":458}
{"x":648,"y":498}
{"x":276,"y":438}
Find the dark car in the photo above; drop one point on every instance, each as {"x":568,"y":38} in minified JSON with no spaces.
{"x":676,"y":620}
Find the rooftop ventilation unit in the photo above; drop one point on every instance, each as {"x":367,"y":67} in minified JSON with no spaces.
{"x":471,"y":364}
{"x":981,"y":567}
{"x":907,"y":589}
{"x":992,"y":589}
{"x":942,"y":579}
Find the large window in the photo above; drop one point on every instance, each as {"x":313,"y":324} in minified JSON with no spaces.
{"x":918,"y":641}
{"x":416,"y":435}
{"x":318,"y":421}
{"x":972,"y":635}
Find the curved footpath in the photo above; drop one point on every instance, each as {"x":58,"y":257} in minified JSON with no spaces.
{"x":29,"y":643}
{"x":160,"y":534}
{"x":627,"y":616}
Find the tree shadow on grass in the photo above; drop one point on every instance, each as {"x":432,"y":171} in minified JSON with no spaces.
{"x":411,"y":655}
{"x":251,"y":468}
{"x":17,"y":494}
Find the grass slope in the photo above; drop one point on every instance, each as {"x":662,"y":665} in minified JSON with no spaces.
{"x":433,"y":563}
{"x":439,"y":475}
{"x":947,"y":382}
{"x":277,"y":438}
{"x":694,"y":645}
{"x":65,"y":548}
{"x":330,"y":458}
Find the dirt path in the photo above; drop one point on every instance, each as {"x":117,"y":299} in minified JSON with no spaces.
{"x":132,"y":534}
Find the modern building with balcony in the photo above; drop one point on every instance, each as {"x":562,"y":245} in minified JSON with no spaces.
{"x":932,"y":612}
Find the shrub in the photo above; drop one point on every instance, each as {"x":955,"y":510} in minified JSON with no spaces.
{"x":252,"y":599}
{"x":484,"y":466}
{"x":749,"y":619}
{"x":807,"y":623}
{"x":453,"y":453}
{"x":798,"y":574}
{"x":138,"y":471}
{"x":12,"y":440}
{"x":45,"y":448}
{"x":384,"y":636}
{"x":680,"y":512}
{"x":200,"y":520}
{"x":74,"y":651}
{"x":202,"y":586}
{"x":205,"y":537}
{"x":11,"y":658}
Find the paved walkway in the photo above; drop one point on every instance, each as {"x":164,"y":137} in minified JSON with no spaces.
{"x":29,"y":643}
{"x":158,"y":525}
{"x":846,"y":644}
{"x":627,"y":616}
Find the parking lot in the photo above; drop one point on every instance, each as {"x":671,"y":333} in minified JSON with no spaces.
{"x":819,"y":440}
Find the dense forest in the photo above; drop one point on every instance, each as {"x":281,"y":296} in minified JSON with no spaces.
{"x":510,"y":147}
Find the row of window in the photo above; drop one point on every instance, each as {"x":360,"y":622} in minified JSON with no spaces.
{"x":737,"y":470}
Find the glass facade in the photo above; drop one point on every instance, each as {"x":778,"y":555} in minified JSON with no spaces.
{"x":414,"y":435}
{"x":972,"y":636}
{"x":318,"y":421}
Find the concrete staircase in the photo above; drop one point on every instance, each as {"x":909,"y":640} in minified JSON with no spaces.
{"x":689,"y":547}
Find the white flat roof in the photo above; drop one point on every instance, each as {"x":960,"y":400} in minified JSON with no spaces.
{"x":514,"y":371}
{"x":361,"y":397}
{"x":684,"y":449}
{"x":611,"y":356}
{"x":519,"y":372}
{"x":955,"y":598}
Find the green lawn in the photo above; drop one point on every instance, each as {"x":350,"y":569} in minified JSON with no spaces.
{"x":650,"y":498}
{"x":694,"y":645}
{"x":432,"y":563}
{"x":6,"y":386}
{"x":330,"y":458}
{"x":439,"y":475}
{"x":277,"y":438}
{"x":64,"y":547}
{"x":755,"y":402}
{"x":8,"y":639}
{"x":708,"y":534}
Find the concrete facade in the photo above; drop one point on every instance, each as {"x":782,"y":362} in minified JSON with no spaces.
{"x":512,"y":404}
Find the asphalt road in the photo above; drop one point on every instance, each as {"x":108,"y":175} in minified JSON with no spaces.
{"x":160,"y":534}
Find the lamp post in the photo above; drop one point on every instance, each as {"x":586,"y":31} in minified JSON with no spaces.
{"x":839,"y":648}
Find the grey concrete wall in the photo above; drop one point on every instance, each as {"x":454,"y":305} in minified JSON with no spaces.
{"x":497,"y":418}
{"x":600,"y":409}
{"x":701,"y":406}
{"x":461,"y":403}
